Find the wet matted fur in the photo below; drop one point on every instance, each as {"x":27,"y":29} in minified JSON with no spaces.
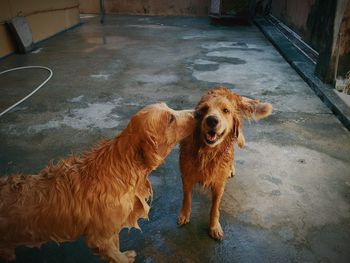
{"x":207,"y":156}
{"x":95,"y":195}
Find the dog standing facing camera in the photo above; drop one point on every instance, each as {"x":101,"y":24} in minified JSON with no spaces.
{"x":207,"y":155}
{"x":96,"y":195}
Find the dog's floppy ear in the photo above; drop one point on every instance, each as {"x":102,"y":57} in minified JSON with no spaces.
{"x":250,"y":108}
{"x":254,"y":109}
{"x":240,"y":138}
{"x":148,"y":151}
{"x":237,"y":131}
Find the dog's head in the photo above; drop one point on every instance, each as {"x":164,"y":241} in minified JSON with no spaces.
{"x":157,"y":129}
{"x":219,"y":114}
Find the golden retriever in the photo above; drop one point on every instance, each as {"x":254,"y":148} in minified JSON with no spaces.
{"x":96,"y":195}
{"x":207,"y":156}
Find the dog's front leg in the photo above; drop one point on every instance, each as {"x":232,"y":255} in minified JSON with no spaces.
{"x":233,"y":166}
{"x":215,"y":230}
{"x":108,"y":249}
{"x":185,"y":212}
{"x":233,"y":170}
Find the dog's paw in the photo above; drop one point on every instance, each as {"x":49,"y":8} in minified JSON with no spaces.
{"x":216,"y":232}
{"x":130,"y":254}
{"x":183,"y":219}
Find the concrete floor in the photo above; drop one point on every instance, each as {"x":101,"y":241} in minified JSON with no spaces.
{"x":289,"y":201}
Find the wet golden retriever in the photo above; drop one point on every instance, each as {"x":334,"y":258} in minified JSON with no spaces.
{"x":96,"y":195}
{"x":207,"y":156}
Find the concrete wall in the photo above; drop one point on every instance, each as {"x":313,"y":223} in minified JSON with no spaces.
{"x":148,"y":7}
{"x":45,"y":17}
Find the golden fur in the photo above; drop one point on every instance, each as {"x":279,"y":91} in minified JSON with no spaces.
{"x":96,"y":195}
{"x":207,"y":156}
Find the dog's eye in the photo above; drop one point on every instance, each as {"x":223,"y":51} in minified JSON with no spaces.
{"x":172,"y":118}
{"x":225,"y":110}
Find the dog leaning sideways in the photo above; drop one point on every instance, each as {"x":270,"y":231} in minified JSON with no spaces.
{"x":107,"y":189}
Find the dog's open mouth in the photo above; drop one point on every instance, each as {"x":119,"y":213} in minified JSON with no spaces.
{"x":211,"y":137}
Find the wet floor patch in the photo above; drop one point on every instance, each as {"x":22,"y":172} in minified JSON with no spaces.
{"x":284,"y":187}
{"x":289,"y":201}
{"x":81,"y":115}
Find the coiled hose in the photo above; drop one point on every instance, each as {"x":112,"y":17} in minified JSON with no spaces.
{"x":34,"y":91}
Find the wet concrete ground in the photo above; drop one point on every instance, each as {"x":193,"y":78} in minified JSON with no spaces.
{"x":289,"y":201}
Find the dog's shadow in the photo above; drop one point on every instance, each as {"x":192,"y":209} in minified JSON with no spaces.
{"x":67,"y":252}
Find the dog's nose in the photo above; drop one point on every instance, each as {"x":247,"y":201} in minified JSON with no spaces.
{"x":212,"y":121}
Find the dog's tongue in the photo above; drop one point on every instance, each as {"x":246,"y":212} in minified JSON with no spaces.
{"x":211,"y":136}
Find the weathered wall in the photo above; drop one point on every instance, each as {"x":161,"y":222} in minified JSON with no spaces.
{"x":303,"y":16}
{"x":148,"y":7}
{"x":319,"y":22}
{"x":45,"y":17}
{"x":343,"y":38}
{"x":293,"y":13}
{"x":333,"y":20}
{"x":89,"y":6}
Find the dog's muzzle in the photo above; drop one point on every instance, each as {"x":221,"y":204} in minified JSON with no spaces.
{"x":212,"y":137}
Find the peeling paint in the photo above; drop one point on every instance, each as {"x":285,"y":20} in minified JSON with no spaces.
{"x":157,"y":78}
{"x":94,"y":116}
{"x":36,"y":51}
{"x":229,"y":45}
{"x":100,"y":76}
{"x":205,"y":62}
{"x":76,"y":99}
